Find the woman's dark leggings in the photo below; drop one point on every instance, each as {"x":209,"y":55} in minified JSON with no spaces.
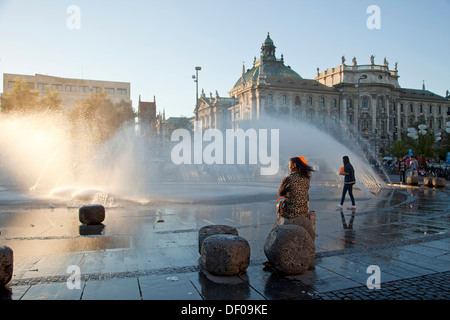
{"x":349,"y":188}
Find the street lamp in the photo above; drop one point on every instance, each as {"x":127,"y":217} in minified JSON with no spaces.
{"x":358,"y":106}
{"x":364,"y":76}
{"x":195,"y":77}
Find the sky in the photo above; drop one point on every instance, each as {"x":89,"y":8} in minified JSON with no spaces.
{"x":156,"y":45}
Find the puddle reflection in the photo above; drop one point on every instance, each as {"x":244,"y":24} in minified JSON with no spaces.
{"x":223,"y":288}
{"x":92,"y":229}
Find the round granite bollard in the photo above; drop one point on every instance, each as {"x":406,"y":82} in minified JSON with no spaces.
{"x":6,"y":265}
{"x":92,"y":214}
{"x":428,"y":182}
{"x":439,"y":182}
{"x":414,"y":180}
{"x":225,"y":254}
{"x":299,"y":221}
{"x":290,"y":249}
{"x":207,"y":231}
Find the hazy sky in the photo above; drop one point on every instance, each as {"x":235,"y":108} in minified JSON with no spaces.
{"x":155,"y":45}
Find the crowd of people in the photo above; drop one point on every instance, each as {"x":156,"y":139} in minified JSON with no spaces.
{"x":414,"y":166}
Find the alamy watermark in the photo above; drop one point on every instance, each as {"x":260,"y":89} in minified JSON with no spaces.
{"x":222,"y":149}
{"x":374,"y":280}
{"x":74,"y":280}
{"x":73,"y":21}
{"x":374,"y":20}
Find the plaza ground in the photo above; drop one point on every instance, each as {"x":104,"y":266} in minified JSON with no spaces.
{"x":149,"y":251}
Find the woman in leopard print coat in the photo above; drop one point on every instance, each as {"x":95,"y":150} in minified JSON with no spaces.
{"x":294,"y":188}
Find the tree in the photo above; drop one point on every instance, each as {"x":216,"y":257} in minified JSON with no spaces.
{"x":423,"y":146}
{"x":101,"y":116}
{"x":398,"y":150}
{"x":23,"y":100}
{"x":50,"y":101}
{"x":443,"y":146}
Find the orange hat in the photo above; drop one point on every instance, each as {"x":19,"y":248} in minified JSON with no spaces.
{"x":303,"y":159}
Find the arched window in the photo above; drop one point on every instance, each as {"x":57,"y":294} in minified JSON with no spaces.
{"x":365,"y":103}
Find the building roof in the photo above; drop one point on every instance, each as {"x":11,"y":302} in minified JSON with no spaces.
{"x":268,"y":66}
{"x":420,"y":94}
{"x":273,"y":72}
{"x":220,"y":101}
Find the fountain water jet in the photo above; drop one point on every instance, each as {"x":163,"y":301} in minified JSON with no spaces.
{"x":41,"y":151}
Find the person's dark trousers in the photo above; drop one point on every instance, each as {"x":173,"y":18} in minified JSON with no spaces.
{"x":348,"y":187}
{"x":403,"y":176}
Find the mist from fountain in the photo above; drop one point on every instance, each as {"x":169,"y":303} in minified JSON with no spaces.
{"x":39,"y":153}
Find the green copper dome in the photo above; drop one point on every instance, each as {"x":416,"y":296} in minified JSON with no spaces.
{"x":272,"y":70}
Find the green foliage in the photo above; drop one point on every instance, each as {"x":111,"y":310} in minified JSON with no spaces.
{"x":398,"y":149}
{"x":424,"y":146}
{"x":23,"y":100}
{"x":101,"y":117}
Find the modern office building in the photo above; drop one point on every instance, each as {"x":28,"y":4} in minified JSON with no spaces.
{"x":70,"y":90}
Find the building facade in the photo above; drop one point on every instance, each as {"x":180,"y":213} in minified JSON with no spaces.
{"x":363,"y":98}
{"x":374,"y":104}
{"x":70,"y":90}
{"x":147,"y":118}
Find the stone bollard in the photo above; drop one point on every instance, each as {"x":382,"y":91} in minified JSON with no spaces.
{"x":428,"y":182}
{"x":439,"y":182}
{"x":414,"y":180}
{"x":225,"y":254}
{"x":92,"y":214}
{"x":290,"y":249}
{"x":207,"y":231}
{"x":299,"y":221}
{"x":6,"y":265}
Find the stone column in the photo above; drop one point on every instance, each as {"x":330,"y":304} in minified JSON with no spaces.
{"x":344,"y":110}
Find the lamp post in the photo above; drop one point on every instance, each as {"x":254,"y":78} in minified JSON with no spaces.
{"x":195,"y":77}
{"x":356,"y":126}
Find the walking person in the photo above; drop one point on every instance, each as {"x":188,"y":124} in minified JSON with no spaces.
{"x":402,"y":170}
{"x":349,"y":180}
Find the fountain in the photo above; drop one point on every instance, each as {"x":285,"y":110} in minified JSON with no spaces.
{"x":40,"y":155}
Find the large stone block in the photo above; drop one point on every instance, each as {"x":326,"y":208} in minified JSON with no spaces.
{"x":290,"y":249}
{"x":299,"y":221}
{"x":439,"y":182}
{"x":207,"y":231}
{"x":225,"y":254}
{"x":414,"y":180}
{"x":6,"y":265}
{"x":92,"y":214}
{"x":428,"y":181}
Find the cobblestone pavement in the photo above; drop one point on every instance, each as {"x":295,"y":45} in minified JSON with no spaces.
{"x":151,"y":252}
{"x":434,"y":286}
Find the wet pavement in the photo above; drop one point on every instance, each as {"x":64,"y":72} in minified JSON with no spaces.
{"x":149,"y":250}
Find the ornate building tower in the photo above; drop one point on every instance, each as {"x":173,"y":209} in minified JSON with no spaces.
{"x":270,"y":88}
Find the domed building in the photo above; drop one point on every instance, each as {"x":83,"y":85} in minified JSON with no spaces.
{"x":269,"y":88}
{"x":365,"y":99}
